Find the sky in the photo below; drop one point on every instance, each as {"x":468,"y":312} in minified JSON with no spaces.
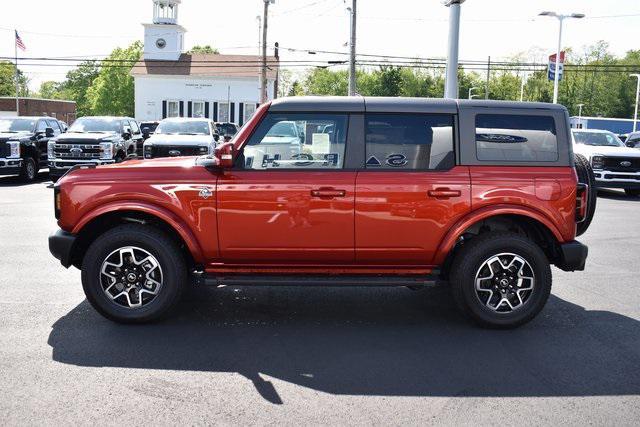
{"x":416,"y":28}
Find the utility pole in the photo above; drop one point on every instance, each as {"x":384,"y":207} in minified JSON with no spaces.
{"x":263,"y":71}
{"x":486,"y":90}
{"x":561,"y":18}
{"x":352,"y":50}
{"x":451,"y":79}
{"x":635,"y":114}
{"x":17,"y":80}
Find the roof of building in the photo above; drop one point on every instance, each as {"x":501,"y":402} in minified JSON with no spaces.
{"x":207,"y":65}
{"x":28,"y":98}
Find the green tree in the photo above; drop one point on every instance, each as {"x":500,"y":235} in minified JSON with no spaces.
{"x":112,"y":90}
{"x":203,"y":49}
{"x":8,"y":82}
{"x":50,"y":90}
{"x":77,"y":83}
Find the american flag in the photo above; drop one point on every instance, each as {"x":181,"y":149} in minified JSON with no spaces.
{"x":19,"y":42}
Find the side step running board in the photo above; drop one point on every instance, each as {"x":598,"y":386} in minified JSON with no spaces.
{"x":306,"y":280}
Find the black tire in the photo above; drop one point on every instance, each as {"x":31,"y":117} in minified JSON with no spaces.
{"x":155,"y":242}
{"x":468,"y":262}
{"x":586,"y":176}
{"x":29,"y":171}
{"x":632,"y":192}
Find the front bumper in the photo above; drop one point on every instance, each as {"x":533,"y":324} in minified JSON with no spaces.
{"x":59,"y":167}
{"x":573,"y":256}
{"x":61,"y":246}
{"x":10,"y":166}
{"x":611,"y":179}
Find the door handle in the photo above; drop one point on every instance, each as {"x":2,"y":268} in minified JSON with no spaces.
{"x":444,"y":193}
{"x":328,"y":193}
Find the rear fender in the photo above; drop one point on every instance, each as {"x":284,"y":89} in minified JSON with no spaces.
{"x":463,"y":224}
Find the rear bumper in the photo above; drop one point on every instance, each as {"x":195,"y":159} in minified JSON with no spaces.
{"x":10,"y":166}
{"x":61,"y":246}
{"x":573,"y":256}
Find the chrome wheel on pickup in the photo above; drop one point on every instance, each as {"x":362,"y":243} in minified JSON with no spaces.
{"x":133,"y":273}
{"x":500,"y":279}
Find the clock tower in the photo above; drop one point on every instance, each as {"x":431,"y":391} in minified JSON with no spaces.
{"x":164,"y":38}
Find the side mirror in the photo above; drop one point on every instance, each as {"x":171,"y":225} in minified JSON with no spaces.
{"x":48,"y":132}
{"x":228,"y":138}
{"x":226,"y":155}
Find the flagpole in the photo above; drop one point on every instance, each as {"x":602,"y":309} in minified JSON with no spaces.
{"x":15,"y":47}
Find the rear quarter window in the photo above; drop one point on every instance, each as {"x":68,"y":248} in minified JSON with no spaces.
{"x":516,"y":138}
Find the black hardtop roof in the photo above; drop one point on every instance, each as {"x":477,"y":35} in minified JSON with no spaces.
{"x":396,"y":104}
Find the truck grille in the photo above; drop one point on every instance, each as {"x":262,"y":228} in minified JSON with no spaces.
{"x":5,"y":150}
{"x":622,"y":164}
{"x":165,"y":151}
{"x":77,"y":151}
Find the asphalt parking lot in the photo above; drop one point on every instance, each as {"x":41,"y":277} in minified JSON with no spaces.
{"x":316,"y":356}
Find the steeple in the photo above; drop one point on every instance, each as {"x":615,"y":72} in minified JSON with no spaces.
{"x":164,"y":38}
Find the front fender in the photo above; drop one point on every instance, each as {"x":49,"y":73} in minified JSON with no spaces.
{"x":481,"y":214}
{"x":148,"y":208}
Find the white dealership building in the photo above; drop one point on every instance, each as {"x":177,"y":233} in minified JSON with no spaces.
{"x":170,"y":83}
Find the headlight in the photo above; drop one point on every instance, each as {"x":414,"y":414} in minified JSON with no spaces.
{"x":14,"y":148}
{"x":148,"y":148}
{"x":597,"y":162}
{"x":50,"y":146}
{"x":106,"y":150}
{"x":203,"y":149}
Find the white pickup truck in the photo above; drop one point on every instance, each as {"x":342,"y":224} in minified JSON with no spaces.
{"x":614,"y":164}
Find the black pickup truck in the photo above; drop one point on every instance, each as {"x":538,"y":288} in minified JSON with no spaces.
{"x":23,"y":144}
{"x":94,"y":140}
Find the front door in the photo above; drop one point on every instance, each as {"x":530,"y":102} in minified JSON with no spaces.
{"x":410,"y":192}
{"x":289,"y":198}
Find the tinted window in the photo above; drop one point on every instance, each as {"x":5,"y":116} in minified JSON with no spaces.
{"x":90,"y":124}
{"x":148,"y":127}
{"x":298,"y":141}
{"x":516,"y":138}
{"x":41,"y":126}
{"x":16,"y":125}
{"x":53,"y":124}
{"x":606,"y":139}
{"x":226,"y":129}
{"x":409,"y":141}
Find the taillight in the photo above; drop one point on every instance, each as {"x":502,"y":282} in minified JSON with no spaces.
{"x":582,"y":198}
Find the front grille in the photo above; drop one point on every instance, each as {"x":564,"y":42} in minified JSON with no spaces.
{"x":5,"y":149}
{"x":78,"y":151}
{"x":614,"y":164}
{"x":164,"y":151}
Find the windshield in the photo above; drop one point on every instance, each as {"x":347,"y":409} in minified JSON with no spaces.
{"x":598,"y":138}
{"x":283,"y":129}
{"x":226,"y":129}
{"x":17,"y":125}
{"x":95,"y":125}
{"x":183,"y":128}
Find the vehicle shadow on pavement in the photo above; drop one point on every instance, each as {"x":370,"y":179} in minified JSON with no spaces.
{"x":16,"y":181}
{"x":616,"y":195}
{"x":356,"y":341}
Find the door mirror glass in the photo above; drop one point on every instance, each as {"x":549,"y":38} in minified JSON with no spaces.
{"x":48,"y":132}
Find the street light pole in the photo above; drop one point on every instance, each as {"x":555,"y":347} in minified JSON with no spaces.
{"x":352,"y":49}
{"x":451,"y":79}
{"x":263,"y":71}
{"x":561,"y":18}
{"x":635,"y":114}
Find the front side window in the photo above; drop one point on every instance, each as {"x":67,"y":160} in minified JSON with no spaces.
{"x":198,"y":109}
{"x":223,"y":112}
{"x":42,"y":126}
{"x":516,"y":138}
{"x":134,"y":127}
{"x":409,"y":141}
{"x":298,"y":141}
{"x":173,"y":109}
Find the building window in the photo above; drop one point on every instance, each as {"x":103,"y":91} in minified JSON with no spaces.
{"x":173,"y":109}
{"x":249,"y":110}
{"x":223,"y":112}
{"x":198,"y":109}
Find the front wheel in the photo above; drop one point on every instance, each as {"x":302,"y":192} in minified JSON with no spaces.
{"x":29,"y":170}
{"x":500,"y":280}
{"x":133,"y":274}
{"x":633,"y":192}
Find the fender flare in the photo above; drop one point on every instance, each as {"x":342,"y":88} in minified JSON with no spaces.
{"x":449,"y":241}
{"x":151,"y":209}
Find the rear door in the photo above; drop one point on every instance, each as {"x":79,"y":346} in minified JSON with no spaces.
{"x":410,"y":191}
{"x":291,"y":197}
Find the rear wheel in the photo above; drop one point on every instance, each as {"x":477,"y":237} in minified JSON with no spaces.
{"x":633,"y":192}
{"x":586,"y":176}
{"x":500,"y":280}
{"x":29,"y":170}
{"x":133,"y":274}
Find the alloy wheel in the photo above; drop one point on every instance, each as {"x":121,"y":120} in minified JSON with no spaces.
{"x":504,"y":282}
